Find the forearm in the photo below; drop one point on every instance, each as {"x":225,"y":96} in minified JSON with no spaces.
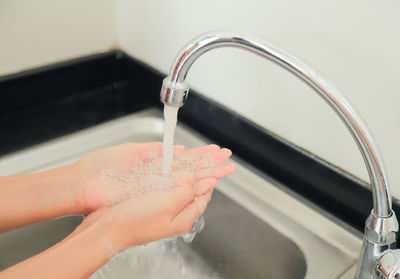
{"x":78,"y":256}
{"x":31,"y":198}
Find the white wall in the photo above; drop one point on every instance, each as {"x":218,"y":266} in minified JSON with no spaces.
{"x":354,"y":43}
{"x":34,"y":33}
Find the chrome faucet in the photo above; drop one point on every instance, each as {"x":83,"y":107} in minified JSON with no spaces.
{"x":379,"y":257}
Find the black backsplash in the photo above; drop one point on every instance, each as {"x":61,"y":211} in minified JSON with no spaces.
{"x":56,"y":100}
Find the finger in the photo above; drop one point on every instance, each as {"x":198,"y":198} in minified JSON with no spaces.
{"x":216,"y":172}
{"x":208,"y":195}
{"x":183,"y":222}
{"x":222,"y":155}
{"x":203,"y":186}
{"x":181,"y":195}
{"x":215,"y":159}
{"x":201,"y":151}
{"x":179,"y":148}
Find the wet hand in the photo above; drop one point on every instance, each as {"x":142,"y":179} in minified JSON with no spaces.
{"x":115,"y":174}
{"x":147,"y":217}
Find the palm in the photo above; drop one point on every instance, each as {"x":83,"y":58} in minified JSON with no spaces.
{"x":117,"y":173}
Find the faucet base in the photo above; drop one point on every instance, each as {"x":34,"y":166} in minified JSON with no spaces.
{"x":380,"y":240}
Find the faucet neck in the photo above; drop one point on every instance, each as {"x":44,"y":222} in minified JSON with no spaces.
{"x":174,"y":92}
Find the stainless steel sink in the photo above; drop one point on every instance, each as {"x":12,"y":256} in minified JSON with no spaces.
{"x":238,"y":244}
{"x":254,"y":228}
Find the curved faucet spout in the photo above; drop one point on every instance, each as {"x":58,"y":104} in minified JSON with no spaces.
{"x":174,"y":93}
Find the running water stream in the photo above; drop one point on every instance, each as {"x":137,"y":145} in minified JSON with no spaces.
{"x":170,"y":119}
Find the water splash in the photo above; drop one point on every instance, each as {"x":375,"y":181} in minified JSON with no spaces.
{"x":160,"y":259}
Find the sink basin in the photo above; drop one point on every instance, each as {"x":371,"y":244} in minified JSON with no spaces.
{"x":254,"y":227}
{"x":238,"y":244}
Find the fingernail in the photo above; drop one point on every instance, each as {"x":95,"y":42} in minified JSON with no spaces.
{"x":227,"y":151}
{"x":215,"y":146}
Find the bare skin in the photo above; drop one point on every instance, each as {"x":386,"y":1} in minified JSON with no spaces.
{"x":106,"y":230}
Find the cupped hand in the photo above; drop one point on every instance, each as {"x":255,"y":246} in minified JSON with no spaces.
{"x":112,"y":175}
{"x":159,"y":214}
{"x":147,"y":217}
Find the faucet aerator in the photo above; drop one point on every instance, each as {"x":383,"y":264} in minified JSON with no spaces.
{"x":174,"y":94}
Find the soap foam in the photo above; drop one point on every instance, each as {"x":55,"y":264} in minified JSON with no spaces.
{"x":148,"y":175}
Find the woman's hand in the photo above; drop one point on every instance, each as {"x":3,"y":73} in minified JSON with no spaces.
{"x":147,"y":217}
{"x":103,"y":177}
{"x":105,"y":232}
{"x":112,"y":175}
{"x":112,"y":224}
{"x":159,"y":214}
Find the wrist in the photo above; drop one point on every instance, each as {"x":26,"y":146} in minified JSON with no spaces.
{"x":105,"y":239}
{"x":70,"y":174}
{"x":111,"y":234}
{"x":119,"y":233}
